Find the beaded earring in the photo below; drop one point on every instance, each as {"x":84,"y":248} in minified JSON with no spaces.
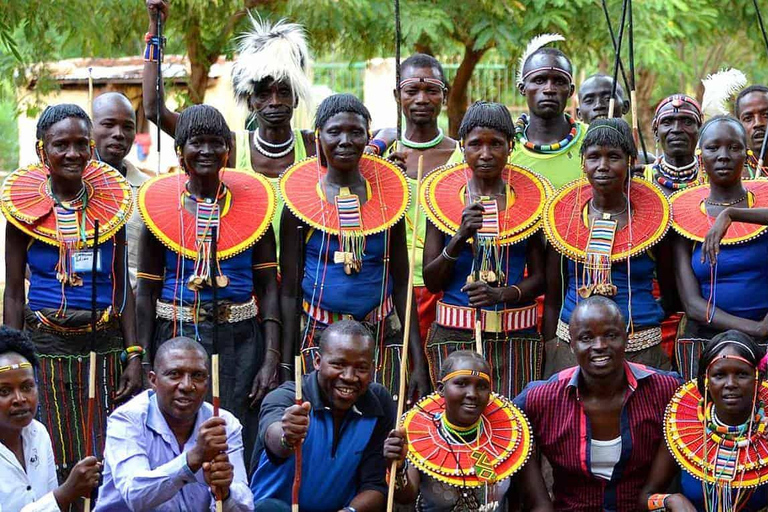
{"x":92,"y":145}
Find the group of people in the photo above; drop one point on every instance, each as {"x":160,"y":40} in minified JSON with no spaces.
{"x":548,"y":364}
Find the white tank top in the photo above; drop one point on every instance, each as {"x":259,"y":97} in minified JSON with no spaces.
{"x":604,"y":455}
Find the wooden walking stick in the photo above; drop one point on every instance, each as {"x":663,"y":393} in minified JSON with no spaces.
{"x":297,"y":451}
{"x":399,"y":125}
{"x":159,"y":83}
{"x":215,"y":340}
{"x":406,"y":328}
{"x":92,"y":353}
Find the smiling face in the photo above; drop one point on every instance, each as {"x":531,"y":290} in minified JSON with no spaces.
{"x":731,"y":386}
{"x":204,"y":155}
{"x":67,"y":149}
{"x":723,"y":152}
{"x":18,"y":394}
{"x":607,"y":169}
{"x":273,"y":102}
{"x":344,"y":369}
{"x":114,"y":129}
{"x":547,"y":91}
{"x":421,"y":101}
{"x":598,"y":340}
{"x":343,"y":138}
{"x":180,"y":379}
{"x":466,"y":396}
{"x":486,"y":151}
{"x":753,"y":114}
{"x":678,"y":131}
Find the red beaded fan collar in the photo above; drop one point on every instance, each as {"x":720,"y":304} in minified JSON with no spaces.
{"x":28,"y":204}
{"x":387,"y":202}
{"x":691,"y":220}
{"x":567,"y":232}
{"x":250,"y":207}
{"x":505,"y":440}
{"x":685,"y":436}
{"x":443,"y":200}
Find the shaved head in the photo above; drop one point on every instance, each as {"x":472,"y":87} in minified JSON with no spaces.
{"x":111,"y":99}
{"x":179,"y":343}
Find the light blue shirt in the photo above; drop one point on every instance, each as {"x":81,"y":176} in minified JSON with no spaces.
{"x":145,"y":470}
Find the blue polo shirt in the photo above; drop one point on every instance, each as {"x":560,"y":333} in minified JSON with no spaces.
{"x":335,"y":467}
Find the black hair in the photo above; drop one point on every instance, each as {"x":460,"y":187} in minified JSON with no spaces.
{"x":599,"y":300}
{"x":553,"y":52}
{"x":180,"y":343}
{"x":724,"y":118}
{"x":744,"y":92}
{"x":14,"y":340}
{"x":201,"y":120}
{"x":339,"y":104}
{"x":619,"y":89}
{"x":484,"y":114}
{"x":422,"y":60}
{"x":345,"y":328}
{"x":745,"y":347}
{"x":614,"y":133}
{"x":55,"y":113}
{"x":450,"y":362}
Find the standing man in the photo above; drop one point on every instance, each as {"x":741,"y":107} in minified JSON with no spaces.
{"x":114,"y":130}
{"x":166,"y":450}
{"x":341,"y":428}
{"x":422,"y":92}
{"x":595,"y":96}
{"x":751,"y":108}
{"x":548,"y":137}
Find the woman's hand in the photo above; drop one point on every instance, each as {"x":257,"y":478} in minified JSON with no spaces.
{"x":711,"y":246}
{"x":482,"y":295}
{"x":471,"y":221}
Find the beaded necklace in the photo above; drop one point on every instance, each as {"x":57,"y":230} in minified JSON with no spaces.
{"x":259,"y":144}
{"x":521,"y":127}
{"x":423,"y":145}
{"x":207,"y":219}
{"x":676,"y":178}
{"x":70,"y":232}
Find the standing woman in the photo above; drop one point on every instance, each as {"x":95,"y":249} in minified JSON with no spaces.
{"x":51,"y":208}
{"x":601,"y":228}
{"x":479,"y":243}
{"x":181,"y":210}
{"x":725,"y":290}
{"x":352,"y":260}
{"x":715,"y":432}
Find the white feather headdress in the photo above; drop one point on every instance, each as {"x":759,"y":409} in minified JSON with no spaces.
{"x":718,"y":90}
{"x":278,"y":51}
{"x":534,"y":44}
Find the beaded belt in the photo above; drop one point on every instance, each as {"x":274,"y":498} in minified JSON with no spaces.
{"x":227,"y":312}
{"x":104,"y":321}
{"x":328,"y":317}
{"x":638,"y":340}
{"x":462,"y":317}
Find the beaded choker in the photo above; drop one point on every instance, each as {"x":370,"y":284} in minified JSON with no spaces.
{"x":70,"y":232}
{"x":521,"y":127}
{"x":287,"y":146}
{"x":423,"y":145}
{"x":676,"y":178}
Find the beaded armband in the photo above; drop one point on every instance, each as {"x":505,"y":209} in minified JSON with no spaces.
{"x":656,"y":501}
{"x":130,"y":353}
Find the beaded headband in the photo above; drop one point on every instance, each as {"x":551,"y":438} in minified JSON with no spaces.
{"x":431,"y":81}
{"x":605,"y":127}
{"x":16,"y":366}
{"x":745,"y":347}
{"x":677,"y":101}
{"x":547,"y":68}
{"x":466,"y":373}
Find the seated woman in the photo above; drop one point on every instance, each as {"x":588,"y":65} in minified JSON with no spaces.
{"x":462,"y":443}
{"x":716,"y":432}
{"x":728,"y":292}
{"x":598,"y":424}
{"x":52,"y":208}
{"x":183,"y":210}
{"x":483,"y":234}
{"x":601,"y":229}
{"x":27,"y":463}
{"x":343,"y":253}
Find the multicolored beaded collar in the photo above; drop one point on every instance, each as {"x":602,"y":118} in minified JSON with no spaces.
{"x":521,"y":126}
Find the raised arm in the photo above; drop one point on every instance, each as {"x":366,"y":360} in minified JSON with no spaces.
{"x":168,"y":118}
{"x":711,"y":247}
{"x":696,"y":306}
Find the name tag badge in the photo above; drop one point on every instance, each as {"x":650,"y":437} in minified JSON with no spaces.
{"x":82,"y":261}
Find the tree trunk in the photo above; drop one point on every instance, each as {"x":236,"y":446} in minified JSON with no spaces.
{"x":646,"y":81}
{"x":199,"y":62}
{"x":457,"y":97}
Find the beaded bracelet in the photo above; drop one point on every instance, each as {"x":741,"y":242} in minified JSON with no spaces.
{"x":131,"y":352}
{"x":657,"y":501}
{"x":153,"y":51}
{"x":378,"y":145}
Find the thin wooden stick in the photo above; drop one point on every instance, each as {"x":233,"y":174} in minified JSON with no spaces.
{"x":406,"y":326}
{"x":92,"y":353}
{"x":297,"y":453}
{"x":215,"y":391}
{"x":159,"y":84}
{"x":612,"y":102}
{"x":761,"y":156}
